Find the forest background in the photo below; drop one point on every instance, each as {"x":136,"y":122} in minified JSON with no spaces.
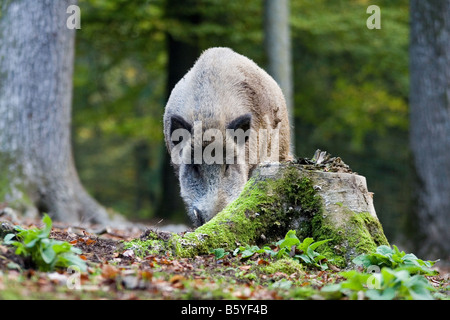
{"x":350,"y":94}
{"x":350,"y":97}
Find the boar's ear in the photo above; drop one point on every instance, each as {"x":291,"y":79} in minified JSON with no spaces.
{"x":242,"y":122}
{"x":177,"y":122}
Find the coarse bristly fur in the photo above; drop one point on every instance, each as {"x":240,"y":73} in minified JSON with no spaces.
{"x":224,"y":90}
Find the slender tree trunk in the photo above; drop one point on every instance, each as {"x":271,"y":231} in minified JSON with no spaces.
{"x":278,"y":48}
{"x":430,"y":123}
{"x":36,"y":66}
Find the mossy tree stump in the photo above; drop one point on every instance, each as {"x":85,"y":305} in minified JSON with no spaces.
{"x":281,"y":197}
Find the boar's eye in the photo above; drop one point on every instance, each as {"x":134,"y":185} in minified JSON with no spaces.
{"x":177,"y":122}
{"x":243,"y":122}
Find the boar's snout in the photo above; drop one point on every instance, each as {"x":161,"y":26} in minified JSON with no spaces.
{"x":198,"y":216}
{"x":205,"y":208}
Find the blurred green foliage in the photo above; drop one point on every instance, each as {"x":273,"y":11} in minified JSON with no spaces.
{"x":351,"y":91}
{"x":351,"y":95}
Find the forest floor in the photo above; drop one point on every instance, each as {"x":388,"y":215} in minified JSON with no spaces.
{"x":115,"y":272}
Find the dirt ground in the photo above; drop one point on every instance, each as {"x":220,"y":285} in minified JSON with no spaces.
{"x":115,"y":272}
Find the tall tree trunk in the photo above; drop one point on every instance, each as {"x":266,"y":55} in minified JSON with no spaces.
{"x":182,"y":55}
{"x":430,"y":123}
{"x":278,"y":48}
{"x":36,"y":66}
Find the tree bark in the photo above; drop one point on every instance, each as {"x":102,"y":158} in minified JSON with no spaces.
{"x":430,"y":124}
{"x":36,"y":66}
{"x":277,"y":43}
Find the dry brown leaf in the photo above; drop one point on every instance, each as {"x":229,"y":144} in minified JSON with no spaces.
{"x":334,"y":268}
{"x":177,"y":278}
{"x":263,"y":262}
{"x":164,"y":261}
{"x":109,"y":272}
{"x":90,"y":241}
{"x":147,"y":275}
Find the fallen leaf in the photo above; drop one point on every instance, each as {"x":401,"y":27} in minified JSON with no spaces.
{"x":84,"y":277}
{"x":304,"y":284}
{"x":109,"y":272}
{"x":177,"y":278}
{"x":165,"y":261}
{"x":334,"y":268}
{"x":147,"y":275}
{"x":263,"y":262}
{"x":178,"y":285}
{"x":90,"y":241}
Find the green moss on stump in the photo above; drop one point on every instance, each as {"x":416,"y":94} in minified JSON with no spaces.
{"x":352,"y":234}
{"x":263,"y":213}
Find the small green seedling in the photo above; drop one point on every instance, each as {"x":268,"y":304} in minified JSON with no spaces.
{"x":46,"y":254}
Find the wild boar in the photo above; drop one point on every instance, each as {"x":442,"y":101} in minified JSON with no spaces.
{"x":229,"y":110}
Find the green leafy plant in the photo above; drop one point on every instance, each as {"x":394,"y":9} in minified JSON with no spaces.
{"x":303,"y":250}
{"x":355,"y":282}
{"x":399,"y":283}
{"x":387,"y":285}
{"x":290,"y":246}
{"x":248,"y":251}
{"x":219,"y":253}
{"x":385,"y":256}
{"x":45,"y":253}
